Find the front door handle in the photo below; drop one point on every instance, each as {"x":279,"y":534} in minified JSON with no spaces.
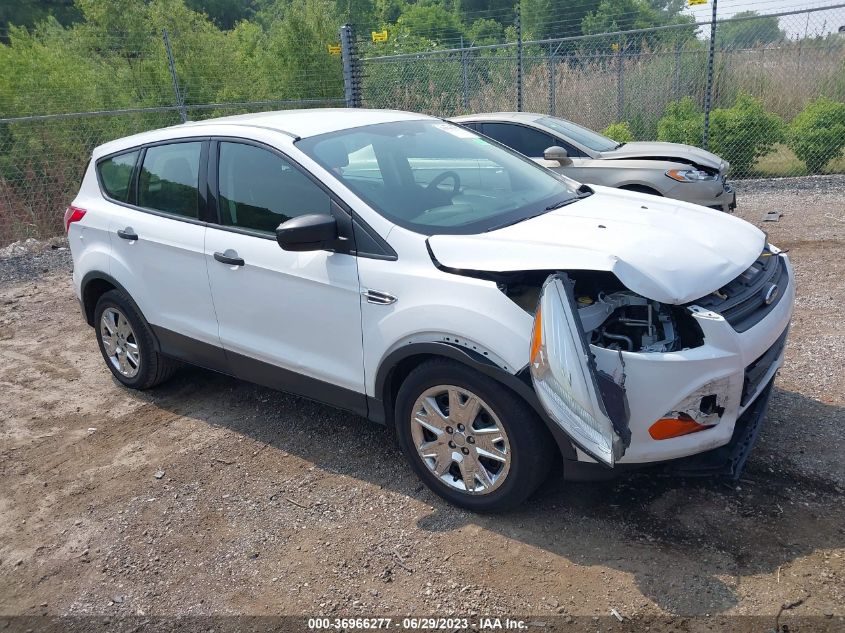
{"x":127,"y":234}
{"x":232,"y":260}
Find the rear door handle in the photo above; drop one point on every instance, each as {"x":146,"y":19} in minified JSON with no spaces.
{"x":127,"y":234}
{"x":232,"y":260}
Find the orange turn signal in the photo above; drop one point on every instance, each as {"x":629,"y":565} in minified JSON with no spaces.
{"x":536,"y":336}
{"x":666,"y":428}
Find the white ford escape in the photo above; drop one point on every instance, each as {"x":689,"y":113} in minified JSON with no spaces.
{"x":501,"y":317}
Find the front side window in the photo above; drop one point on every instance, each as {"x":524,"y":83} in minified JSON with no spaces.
{"x":169,"y":179}
{"x":435,"y":177}
{"x":525,"y":140}
{"x":259,"y":190}
{"x":116,"y":175}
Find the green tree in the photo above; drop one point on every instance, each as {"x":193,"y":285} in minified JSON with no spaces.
{"x":620,"y":132}
{"x":817,"y":133}
{"x":485,"y":31}
{"x":29,"y":13}
{"x":741,"y":32}
{"x":744,"y":133}
{"x":388,"y":11}
{"x":543,"y":19}
{"x":682,"y":122}
{"x":225,"y":13}
{"x":297,"y":58}
{"x":628,"y":15}
{"x":430,"y":19}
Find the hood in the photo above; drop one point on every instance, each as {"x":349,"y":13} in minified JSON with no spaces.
{"x":663,"y":249}
{"x":659,"y":150}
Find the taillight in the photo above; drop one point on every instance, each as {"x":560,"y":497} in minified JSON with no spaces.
{"x":73,"y":214}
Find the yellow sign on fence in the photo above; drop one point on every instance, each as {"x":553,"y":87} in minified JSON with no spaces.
{"x":380,"y":36}
{"x":334,"y":49}
{"x":692,"y":3}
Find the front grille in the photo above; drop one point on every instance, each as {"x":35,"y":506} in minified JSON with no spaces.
{"x":743,"y":301}
{"x":757,"y":370}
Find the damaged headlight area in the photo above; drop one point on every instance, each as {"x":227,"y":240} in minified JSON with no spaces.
{"x":614,"y":317}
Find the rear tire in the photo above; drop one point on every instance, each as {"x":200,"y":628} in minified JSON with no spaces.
{"x":503,"y":451}
{"x":127,"y":344}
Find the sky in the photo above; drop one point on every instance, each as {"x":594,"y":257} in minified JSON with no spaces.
{"x":815,"y":23}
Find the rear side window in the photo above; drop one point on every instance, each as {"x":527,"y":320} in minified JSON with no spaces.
{"x":116,"y":175}
{"x":527,"y":141}
{"x":169,"y":179}
{"x":259,"y":189}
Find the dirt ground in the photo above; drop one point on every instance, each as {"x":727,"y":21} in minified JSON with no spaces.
{"x":213,"y":496}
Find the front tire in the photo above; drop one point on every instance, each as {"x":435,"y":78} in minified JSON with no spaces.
{"x":472,"y":441}
{"x":127,"y":345}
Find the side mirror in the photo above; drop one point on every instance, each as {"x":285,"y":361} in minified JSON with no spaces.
{"x":312,"y":232}
{"x":557,"y":153}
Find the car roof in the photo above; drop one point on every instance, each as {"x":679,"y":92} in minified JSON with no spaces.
{"x":525,"y":117}
{"x":293,"y":123}
{"x":304,"y":123}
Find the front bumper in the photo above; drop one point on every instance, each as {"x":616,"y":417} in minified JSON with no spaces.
{"x":737,"y":366}
{"x":718,"y":194}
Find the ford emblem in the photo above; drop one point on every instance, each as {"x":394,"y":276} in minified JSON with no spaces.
{"x":771,"y":294}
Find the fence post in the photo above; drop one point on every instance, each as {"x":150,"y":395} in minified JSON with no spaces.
{"x":552,"y":80}
{"x":177,"y":92}
{"x":708,"y":93}
{"x":620,"y":82}
{"x":677,"y":83}
{"x":518,"y":57}
{"x":351,"y":74}
{"x":464,"y":75}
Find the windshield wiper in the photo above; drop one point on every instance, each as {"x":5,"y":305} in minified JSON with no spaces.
{"x":561,"y":203}
{"x":619,"y":145}
{"x":581,"y":192}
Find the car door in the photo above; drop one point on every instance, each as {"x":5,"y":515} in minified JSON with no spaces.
{"x":157,"y":238}
{"x":289,"y":320}
{"x":588,"y":404}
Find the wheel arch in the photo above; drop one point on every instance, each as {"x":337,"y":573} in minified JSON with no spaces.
{"x":94,"y":285}
{"x":640,"y":187}
{"x":398,"y":364}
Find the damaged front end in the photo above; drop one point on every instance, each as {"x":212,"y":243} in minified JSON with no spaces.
{"x":582,"y":314}
{"x":587,"y":403}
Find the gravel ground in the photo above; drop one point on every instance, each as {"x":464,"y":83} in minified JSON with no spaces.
{"x":213,"y":496}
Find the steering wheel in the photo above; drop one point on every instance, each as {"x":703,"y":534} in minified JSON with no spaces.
{"x":439,"y":178}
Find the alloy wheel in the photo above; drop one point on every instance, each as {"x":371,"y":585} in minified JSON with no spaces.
{"x":120,"y":343}
{"x":460,"y":439}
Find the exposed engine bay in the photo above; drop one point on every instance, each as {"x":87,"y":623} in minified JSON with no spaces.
{"x":612,"y":316}
{"x":628,"y":322}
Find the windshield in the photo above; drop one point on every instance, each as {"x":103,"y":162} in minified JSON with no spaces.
{"x":593,"y":140}
{"x":434,"y":177}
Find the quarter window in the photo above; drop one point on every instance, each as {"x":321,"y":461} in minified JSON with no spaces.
{"x":116,"y":174}
{"x":259,"y":189}
{"x":525,"y":140}
{"x":169,"y":179}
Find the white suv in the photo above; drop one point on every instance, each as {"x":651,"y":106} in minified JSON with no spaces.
{"x":502,"y":318}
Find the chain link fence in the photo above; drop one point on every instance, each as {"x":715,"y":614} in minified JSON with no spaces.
{"x":776,"y":96}
{"x":777,"y":91}
{"x":72,"y":91}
